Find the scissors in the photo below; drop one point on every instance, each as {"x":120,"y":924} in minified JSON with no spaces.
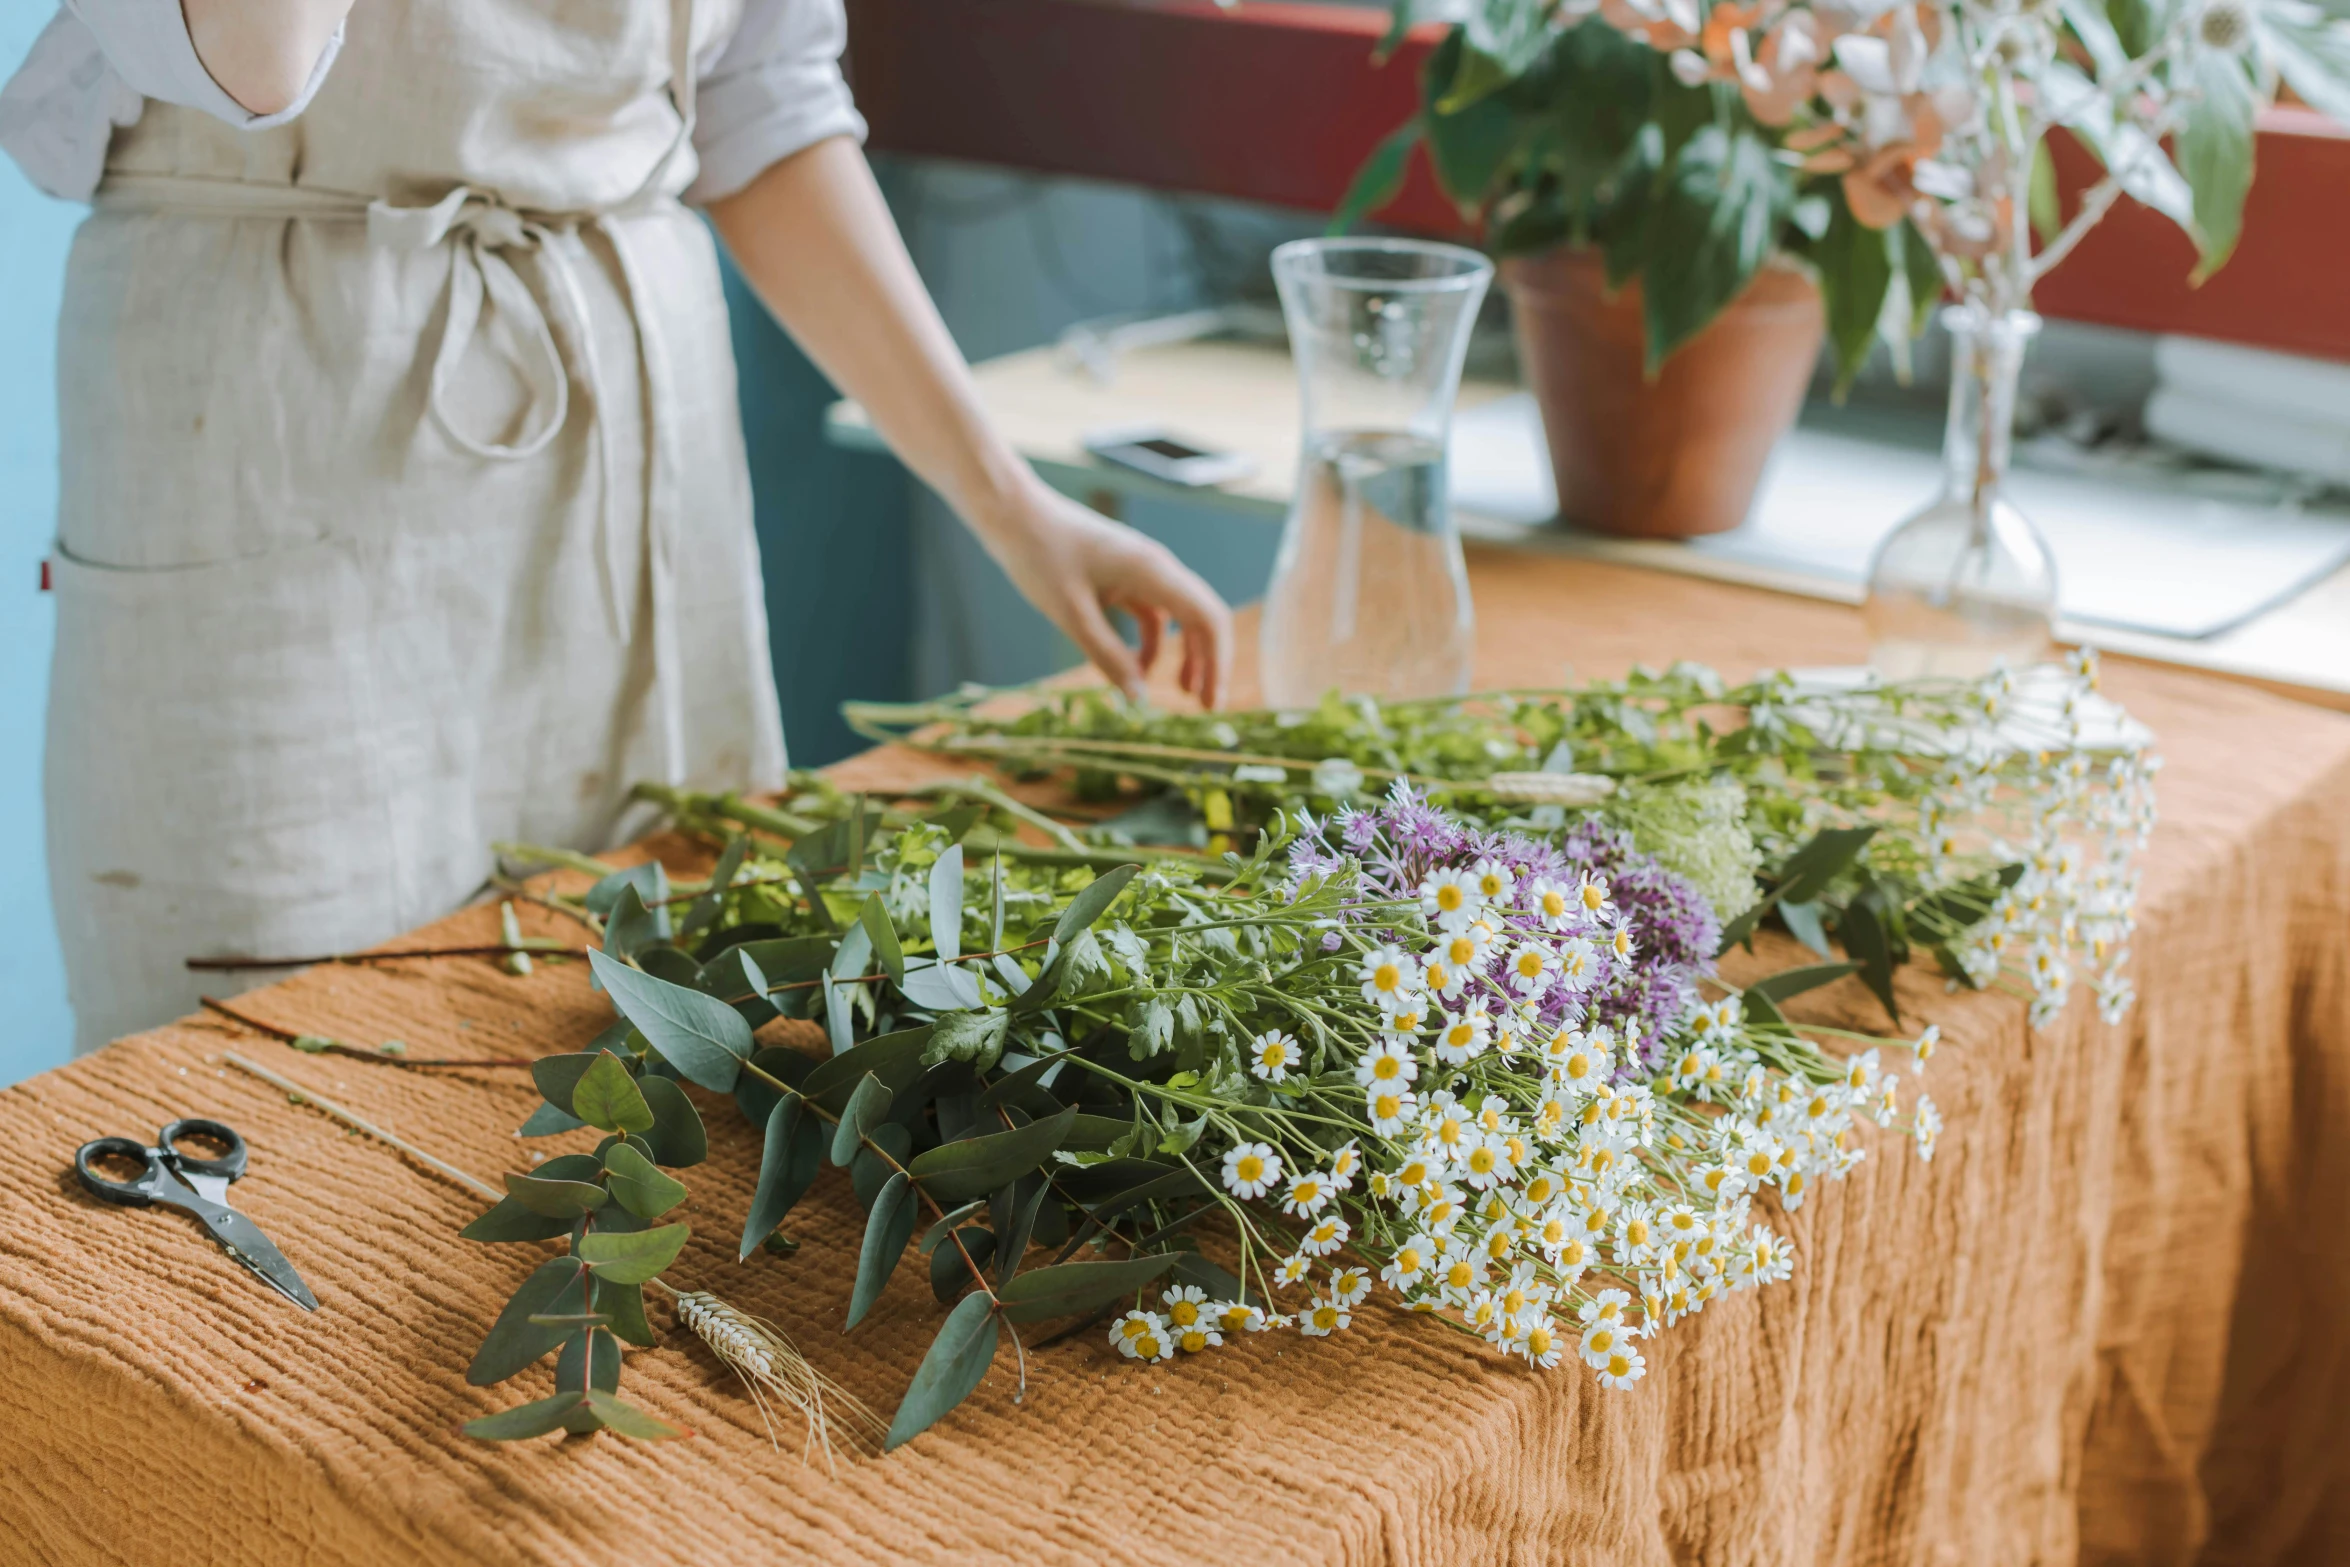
{"x":200,"y":1186}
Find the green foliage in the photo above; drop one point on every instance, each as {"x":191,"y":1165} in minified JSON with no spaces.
{"x":2215,"y":155}
{"x":638,"y":1186}
{"x":959,"y":1171}
{"x":631,"y":1258}
{"x":586,"y":1303}
{"x":958,"y":1358}
{"x":606,"y":1097}
{"x":1068,"y":1288}
{"x":1856,"y":272}
{"x":793,"y":1148}
{"x":887,"y":1229}
{"x":1713,"y":219}
{"x":705,"y":1039}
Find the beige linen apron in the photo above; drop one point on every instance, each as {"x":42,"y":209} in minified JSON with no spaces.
{"x":404,"y":504}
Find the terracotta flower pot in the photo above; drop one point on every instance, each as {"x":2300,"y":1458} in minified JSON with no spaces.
{"x":1680,"y":455}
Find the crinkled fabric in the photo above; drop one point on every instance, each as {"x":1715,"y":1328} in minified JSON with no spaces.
{"x":2107,"y":1324}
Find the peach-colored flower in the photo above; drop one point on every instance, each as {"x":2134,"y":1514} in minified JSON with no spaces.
{"x":1881,"y":191}
{"x":1784,"y":73}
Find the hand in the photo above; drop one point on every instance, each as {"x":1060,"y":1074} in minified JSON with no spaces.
{"x":1075,"y":565}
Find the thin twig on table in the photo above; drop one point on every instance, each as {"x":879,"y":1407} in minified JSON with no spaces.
{"x":359,"y":1123}
{"x":337,"y":1047}
{"x":543,"y":947}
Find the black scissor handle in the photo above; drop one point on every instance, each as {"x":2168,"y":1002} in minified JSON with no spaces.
{"x":131,"y":1194}
{"x":229,"y":1165}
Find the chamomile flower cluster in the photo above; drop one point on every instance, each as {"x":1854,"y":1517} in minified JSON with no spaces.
{"x":1565,"y":1147}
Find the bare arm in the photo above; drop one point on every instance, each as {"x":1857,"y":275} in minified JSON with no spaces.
{"x":817,"y":242}
{"x":262,"y":52}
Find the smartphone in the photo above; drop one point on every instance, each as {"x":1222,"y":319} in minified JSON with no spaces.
{"x":1168,"y":457}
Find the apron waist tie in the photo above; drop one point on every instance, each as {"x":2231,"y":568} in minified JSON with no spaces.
{"x":483,"y":233}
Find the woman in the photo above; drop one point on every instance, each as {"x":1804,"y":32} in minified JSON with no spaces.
{"x":404,"y":505}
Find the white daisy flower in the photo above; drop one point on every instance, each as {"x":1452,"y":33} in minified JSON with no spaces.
{"x":1620,"y":942}
{"x":1459,"y":1274}
{"x":1308,"y":1194}
{"x":1602,"y":1339}
{"x":1192,"y":1340}
{"x":1141,"y":1335}
{"x":1323,"y":1318}
{"x":1292,"y":1270}
{"x":1531,"y":969}
{"x":1388,"y":1063}
{"x":1468,"y":948}
{"x":1250,"y":1169}
{"x":1186,"y":1305}
{"x":1272,"y":1054}
{"x":1418,"y":1170}
{"x":1408,"y":1269}
{"x":1343,"y":1165}
{"x":1591,"y":895}
{"x":1606,"y":1306}
{"x":1449,"y":898}
{"x":1690,"y":1066}
{"x":1542,"y":1343}
{"x":1350,"y":1286}
{"x":1622,"y":1369}
{"x":1445,"y":1125}
{"x":1390,"y":1110}
{"x":1482,"y":1314}
{"x":1407,"y":1023}
{"x":1522,"y":1297}
{"x":1390,"y":979}
{"x":1482,"y":1161}
{"x":1636,"y":1234}
{"x":1926,"y":1127}
{"x":1441,"y":979}
{"x":1440,"y":1208}
{"x":1462,"y":1038}
{"x":1325,"y":1237}
{"x":1923,"y":1049}
{"x":1235,"y":1317}
{"x":1553,"y":903}
{"x":1578,"y":964}
{"x":1494,"y":880}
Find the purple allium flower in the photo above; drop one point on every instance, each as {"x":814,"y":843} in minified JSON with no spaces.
{"x":1673,"y":930}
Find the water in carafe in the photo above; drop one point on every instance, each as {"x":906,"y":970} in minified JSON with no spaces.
{"x":1370,"y":594}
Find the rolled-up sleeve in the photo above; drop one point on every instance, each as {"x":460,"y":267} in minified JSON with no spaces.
{"x":147,"y":43}
{"x":775,"y":89}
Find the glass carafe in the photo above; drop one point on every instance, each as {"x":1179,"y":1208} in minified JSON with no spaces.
{"x":1369,"y":594}
{"x":1967,"y":583}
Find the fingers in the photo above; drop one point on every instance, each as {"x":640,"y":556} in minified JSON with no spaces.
{"x":1099,"y":641}
{"x":1207,"y":642}
{"x":1151,"y":622}
{"x":1158,"y":579}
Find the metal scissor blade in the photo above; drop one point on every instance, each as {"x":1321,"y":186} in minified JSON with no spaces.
{"x":245,"y":1242}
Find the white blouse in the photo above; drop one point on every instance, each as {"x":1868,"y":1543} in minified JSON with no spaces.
{"x":770,"y":90}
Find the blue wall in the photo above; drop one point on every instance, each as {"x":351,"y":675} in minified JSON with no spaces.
{"x":35,"y":1028}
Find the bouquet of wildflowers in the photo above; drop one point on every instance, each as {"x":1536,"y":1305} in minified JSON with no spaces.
{"x":1550,"y":1122}
{"x":1459,"y":1044}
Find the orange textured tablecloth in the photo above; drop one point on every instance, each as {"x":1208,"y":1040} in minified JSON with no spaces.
{"x":2107,"y":1324}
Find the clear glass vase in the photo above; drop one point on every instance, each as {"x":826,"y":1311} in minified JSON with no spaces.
{"x":1967,"y":583}
{"x":1369,"y":594}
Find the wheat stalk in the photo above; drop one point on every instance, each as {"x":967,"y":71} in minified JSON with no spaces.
{"x":770,"y":1365}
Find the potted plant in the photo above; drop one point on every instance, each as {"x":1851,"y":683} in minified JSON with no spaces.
{"x":1683,"y":201}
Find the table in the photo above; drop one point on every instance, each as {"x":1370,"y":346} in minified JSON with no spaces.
{"x":1243,"y":396}
{"x":2110,"y":1323}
